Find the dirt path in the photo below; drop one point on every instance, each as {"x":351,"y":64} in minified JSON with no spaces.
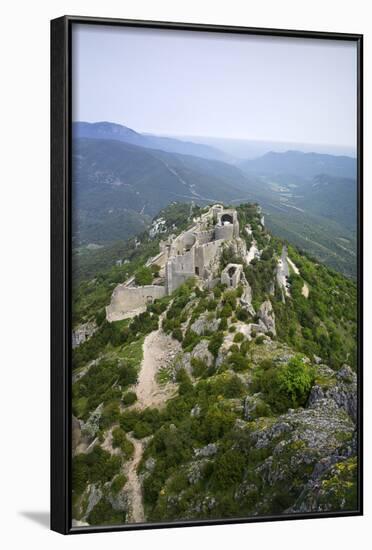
{"x":133,"y":485}
{"x":159,"y":350}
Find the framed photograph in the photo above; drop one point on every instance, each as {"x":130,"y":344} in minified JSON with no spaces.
{"x":206,"y":267}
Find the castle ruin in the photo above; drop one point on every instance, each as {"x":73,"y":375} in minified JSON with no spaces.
{"x":193,"y":253}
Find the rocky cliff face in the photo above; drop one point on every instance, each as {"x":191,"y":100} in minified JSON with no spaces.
{"x":340,"y":387}
{"x":267,"y":316}
{"x":82,"y":333}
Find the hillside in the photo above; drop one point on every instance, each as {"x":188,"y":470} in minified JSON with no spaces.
{"x":118,"y":187}
{"x":118,"y":132}
{"x":311,"y":200}
{"x":303,"y":165}
{"x":215,"y":401}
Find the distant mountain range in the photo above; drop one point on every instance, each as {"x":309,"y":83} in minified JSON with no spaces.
{"x":109,"y":130}
{"x":122,"y":178}
{"x":118,"y":187}
{"x":303,"y":165}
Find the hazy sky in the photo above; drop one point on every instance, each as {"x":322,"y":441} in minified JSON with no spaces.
{"x":207,"y":84}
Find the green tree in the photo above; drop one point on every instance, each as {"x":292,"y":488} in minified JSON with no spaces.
{"x":143,"y":276}
{"x":129,"y":398}
{"x":285,"y":386}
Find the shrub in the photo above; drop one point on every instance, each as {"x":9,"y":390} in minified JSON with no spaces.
{"x":228,"y":470}
{"x":158,"y":306}
{"x":234,"y":387}
{"x":199,"y":367}
{"x":215,"y":343}
{"x":110,"y":414}
{"x":129,"y":398}
{"x":238,"y":362}
{"x":245,"y":347}
{"x":152,"y":486}
{"x":217,"y":292}
{"x":190,"y":340}
{"x":100,"y":317}
{"x":285,"y":386}
{"x":239,"y":337}
{"x":223,"y":324}
{"x":242,"y":314}
{"x":177,"y":334}
{"x":229,"y":297}
{"x":217,"y":423}
{"x":155,"y":269}
{"x":226,"y":311}
{"x":128,"y":420}
{"x":185,"y":384}
{"x":104,"y":514}
{"x":143,"y":276}
{"x":119,"y":439}
{"x":142,"y":429}
{"x":239,"y":291}
{"x":212,"y":305}
{"x":127,"y":375}
{"x":94,"y":467}
{"x":118,"y":483}
{"x":260,"y":339}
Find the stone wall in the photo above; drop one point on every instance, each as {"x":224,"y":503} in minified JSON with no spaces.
{"x":225,"y":232}
{"x":126,"y":301}
{"x":206,"y":255}
{"x":193,"y":253}
{"x":231,"y":275}
{"x":179,"y":269}
{"x":182,"y":244}
{"x":205,"y":236}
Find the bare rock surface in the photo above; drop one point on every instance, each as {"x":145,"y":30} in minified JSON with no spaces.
{"x":267,"y":316}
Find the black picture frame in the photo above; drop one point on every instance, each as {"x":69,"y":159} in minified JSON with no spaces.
{"x":61,"y":264}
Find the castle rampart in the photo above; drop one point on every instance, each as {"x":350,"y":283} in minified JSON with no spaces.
{"x":194,"y":253}
{"x":127,"y":301}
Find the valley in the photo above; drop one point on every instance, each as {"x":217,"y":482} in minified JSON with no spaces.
{"x":121,"y":181}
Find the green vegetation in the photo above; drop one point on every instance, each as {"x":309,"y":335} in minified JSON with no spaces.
{"x":98,"y":466}
{"x":284,"y":386}
{"x":120,"y":440}
{"x":215,"y":343}
{"x":208,"y":456}
{"x":129,"y":398}
{"x":143,"y":276}
{"x":323,"y":324}
{"x":104,"y":514}
{"x":103,"y":383}
{"x":339,"y":486}
{"x":118,"y":483}
{"x":115,"y":335}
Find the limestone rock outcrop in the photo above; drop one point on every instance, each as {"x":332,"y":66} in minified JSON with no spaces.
{"x":341,"y":387}
{"x":82,"y":333}
{"x":203,"y":326}
{"x":267,"y":316}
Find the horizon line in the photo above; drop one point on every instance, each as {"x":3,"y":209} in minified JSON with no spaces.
{"x":203,"y":136}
